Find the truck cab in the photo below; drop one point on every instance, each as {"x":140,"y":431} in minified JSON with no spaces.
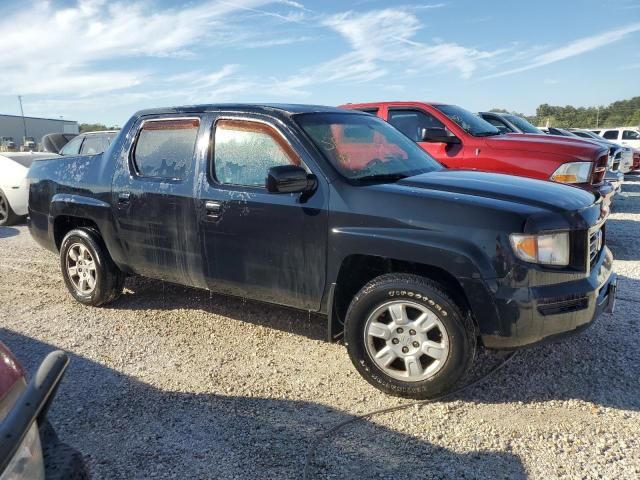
{"x":627,"y":136}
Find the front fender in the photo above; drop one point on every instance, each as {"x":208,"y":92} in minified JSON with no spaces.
{"x":460,"y":257}
{"x":473,"y":268}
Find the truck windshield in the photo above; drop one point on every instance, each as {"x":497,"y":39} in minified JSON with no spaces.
{"x":523,"y":125}
{"x":469,"y":122}
{"x":364,"y":148}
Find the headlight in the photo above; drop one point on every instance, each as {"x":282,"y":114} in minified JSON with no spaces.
{"x":574,"y":172}
{"x":547,"y":249}
{"x":27,"y":463}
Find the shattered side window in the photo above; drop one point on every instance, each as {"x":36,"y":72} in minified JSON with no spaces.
{"x":244,"y":151}
{"x":165,"y":148}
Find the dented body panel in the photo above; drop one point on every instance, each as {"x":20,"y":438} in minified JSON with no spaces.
{"x":296,"y":249}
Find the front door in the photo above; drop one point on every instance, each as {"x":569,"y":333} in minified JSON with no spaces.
{"x":412,"y":123}
{"x":260,"y":245}
{"x":153,"y":201}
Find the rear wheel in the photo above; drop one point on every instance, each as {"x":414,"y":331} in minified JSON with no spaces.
{"x":7,"y":215}
{"x":407,"y":337}
{"x":88,"y":271}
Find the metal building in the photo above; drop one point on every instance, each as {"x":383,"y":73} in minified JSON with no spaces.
{"x":12,"y":126}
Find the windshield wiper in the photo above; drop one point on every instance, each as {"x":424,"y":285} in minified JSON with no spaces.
{"x":383,"y":177}
{"x":486,"y":134}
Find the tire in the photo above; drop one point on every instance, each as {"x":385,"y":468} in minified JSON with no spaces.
{"x":61,"y":462}
{"x":96,"y":280}
{"x":7,"y":215}
{"x":426,"y":353}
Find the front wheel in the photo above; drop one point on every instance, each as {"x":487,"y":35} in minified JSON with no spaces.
{"x":88,"y":271}
{"x":407,"y":337}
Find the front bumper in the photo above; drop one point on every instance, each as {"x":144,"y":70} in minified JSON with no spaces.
{"x":615,"y":179}
{"x":531,"y":314}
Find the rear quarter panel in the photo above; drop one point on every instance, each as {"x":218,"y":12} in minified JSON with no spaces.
{"x":76,"y":186}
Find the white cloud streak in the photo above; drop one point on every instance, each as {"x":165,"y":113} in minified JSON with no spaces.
{"x":56,"y":50}
{"x":575,"y":48}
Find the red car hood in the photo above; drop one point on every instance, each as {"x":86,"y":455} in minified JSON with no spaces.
{"x":10,"y":370}
{"x":571,"y":147}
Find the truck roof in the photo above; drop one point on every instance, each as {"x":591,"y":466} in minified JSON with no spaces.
{"x":403,"y":103}
{"x":284,"y":108}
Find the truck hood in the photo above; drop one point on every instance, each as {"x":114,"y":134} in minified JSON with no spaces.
{"x":525,"y":191}
{"x":573,"y":147}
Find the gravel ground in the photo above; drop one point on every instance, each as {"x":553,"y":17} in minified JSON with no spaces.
{"x":172,"y":382}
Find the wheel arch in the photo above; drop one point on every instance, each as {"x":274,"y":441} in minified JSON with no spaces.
{"x":63,"y":224}
{"x":69,"y":211}
{"x":356,"y":270}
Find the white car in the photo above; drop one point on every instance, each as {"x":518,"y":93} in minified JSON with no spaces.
{"x":628,"y":136}
{"x":14,"y":191}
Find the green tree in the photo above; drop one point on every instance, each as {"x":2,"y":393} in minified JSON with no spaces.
{"x":620,"y":113}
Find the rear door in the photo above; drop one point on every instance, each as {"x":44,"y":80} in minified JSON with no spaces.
{"x":266,"y":246}
{"x":412,"y":122}
{"x":152,"y":195}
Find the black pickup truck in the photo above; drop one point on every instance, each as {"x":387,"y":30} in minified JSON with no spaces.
{"x":336,"y":212}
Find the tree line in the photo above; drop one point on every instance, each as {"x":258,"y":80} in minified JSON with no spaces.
{"x":622,"y":113}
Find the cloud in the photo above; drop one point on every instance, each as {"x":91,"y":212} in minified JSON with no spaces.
{"x":429,"y":6}
{"x":60,"y":50}
{"x":387,"y":36}
{"x":577,"y":47}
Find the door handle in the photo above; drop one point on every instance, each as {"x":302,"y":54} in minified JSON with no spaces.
{"x":212,"y":209}
{"x":124,"y":197}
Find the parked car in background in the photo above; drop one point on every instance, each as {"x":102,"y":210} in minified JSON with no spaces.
{"x":460,"y":139}
{"x":623,"y":155}
{"x":13,"y":185}
{"x":30,"y":448}
{"x":8,"y":144}
{"x":510,"y":123}
{"x":337,"y":212}
{"x":629,"y":136}
{"x":89,"y":143}
{"x":627,"y":152}
{"x":54,"y":142}
{"x":28,"y":144}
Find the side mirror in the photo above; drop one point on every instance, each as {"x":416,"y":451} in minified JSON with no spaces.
{"x":289,"y":179}
{"x":438,"y":135}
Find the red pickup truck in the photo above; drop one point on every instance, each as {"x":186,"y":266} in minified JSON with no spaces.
{"x":460,"y":139}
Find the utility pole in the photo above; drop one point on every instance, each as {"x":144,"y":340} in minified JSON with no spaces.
{"x":24,"y":122}
{"x":597,"y":116}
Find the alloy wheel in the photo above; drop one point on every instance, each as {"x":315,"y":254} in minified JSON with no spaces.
{"x":406,"y":340}
{"x":81,"y":268}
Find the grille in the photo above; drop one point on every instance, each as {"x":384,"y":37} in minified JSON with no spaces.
{"x":555,"y":306}
{"x":596,"y":241}
{"x":599,"y":170}
{"x":617,"y":158}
